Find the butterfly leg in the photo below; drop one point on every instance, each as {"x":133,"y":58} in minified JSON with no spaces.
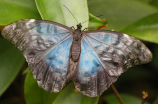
{"x":72,"y":28}
{"x":85,"y":29}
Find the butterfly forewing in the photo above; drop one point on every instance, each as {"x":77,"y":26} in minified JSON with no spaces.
{"x":117,"y":51}
{"x":46,"y":46}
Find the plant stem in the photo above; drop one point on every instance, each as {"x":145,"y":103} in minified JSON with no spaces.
{"x":145,"y":95}
{"x":117,"y":94}
{"x":143,"y":101}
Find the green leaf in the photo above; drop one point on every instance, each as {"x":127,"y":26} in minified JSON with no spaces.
{"x":11,"y":62}
{"x":70,"y":96}
{"x":34,"y":94}
{"x":146,"y":1}
{"x":95,"y":22}
{"x":13,"y":10}
{"x":127,"y":99}
{"x":154,"y":3}
{"x":54,"y":10}
{"x":144,"y":29}
{"x":120,"y":13}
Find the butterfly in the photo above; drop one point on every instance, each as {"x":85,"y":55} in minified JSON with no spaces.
{"x":57,"y":54}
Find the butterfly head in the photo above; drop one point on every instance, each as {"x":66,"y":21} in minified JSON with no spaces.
{"x":79,"y":26}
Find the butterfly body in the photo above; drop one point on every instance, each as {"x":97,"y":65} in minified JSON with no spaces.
{"x":92,"y":59}
{"x":76,"y":44}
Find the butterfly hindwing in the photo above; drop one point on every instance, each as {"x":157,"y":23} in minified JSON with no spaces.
{"x":91,"y":78}
{"x":46,"y":46}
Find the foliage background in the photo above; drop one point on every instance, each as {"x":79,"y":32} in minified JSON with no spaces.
{"x":138,"y":18}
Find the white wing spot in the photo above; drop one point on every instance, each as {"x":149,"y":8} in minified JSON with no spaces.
{"x":31,"y":20}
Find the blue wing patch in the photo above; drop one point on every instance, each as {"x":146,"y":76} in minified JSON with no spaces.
{"x":107,"y":54}
{"x":91,"y":78}
{"x":51,"y":71}
{"x":108,"y":38}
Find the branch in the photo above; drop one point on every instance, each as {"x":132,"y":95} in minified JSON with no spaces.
{"x":117,"y":94}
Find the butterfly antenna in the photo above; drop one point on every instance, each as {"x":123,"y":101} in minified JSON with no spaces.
{"x":71,"y":13}
{"x":91,"y":19}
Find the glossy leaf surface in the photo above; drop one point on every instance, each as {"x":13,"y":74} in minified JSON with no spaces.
{"x":11,"y":62}
{"x":13,"y":10}
{"x":120,"y":13}
{"x":154,"y":3}
{"x":95,"y":22}
{"x":147,"y":30}
{"x":54,"y":10}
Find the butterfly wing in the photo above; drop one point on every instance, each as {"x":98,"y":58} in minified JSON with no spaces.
{"x":104,"y":56}
{"x":91,"y":79}
{"x":117,"y":51}
{"x":45,"y":46}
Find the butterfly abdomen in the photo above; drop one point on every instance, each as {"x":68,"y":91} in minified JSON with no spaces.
{"x":76,"y":45}
{"x":75,"y":51}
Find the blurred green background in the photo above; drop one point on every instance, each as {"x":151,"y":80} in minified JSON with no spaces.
{"x":138,"y":18}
